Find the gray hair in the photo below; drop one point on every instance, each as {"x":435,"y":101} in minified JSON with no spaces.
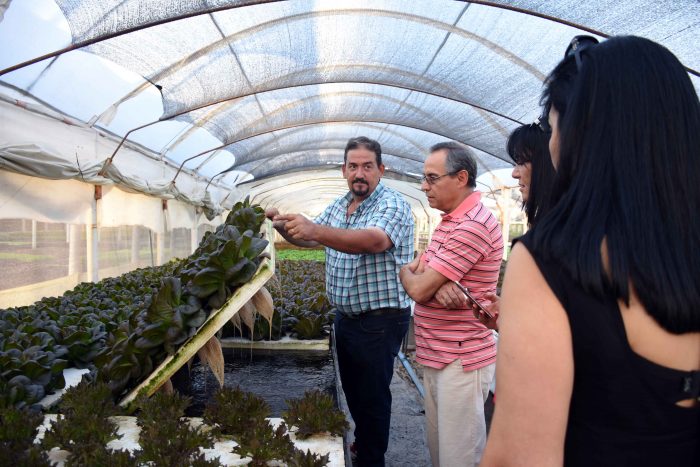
{"x":459,"y":157}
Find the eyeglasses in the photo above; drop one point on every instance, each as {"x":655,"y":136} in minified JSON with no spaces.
{"x":577,"y":45}
{"x":433,"y":179}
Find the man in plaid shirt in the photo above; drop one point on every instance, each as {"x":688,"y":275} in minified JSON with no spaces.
{"x":368,"y":235}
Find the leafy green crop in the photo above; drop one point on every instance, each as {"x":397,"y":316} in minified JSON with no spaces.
{"x":124,"y":326}
{"x":83,"y":428}
{"x":302,"y":308}
{"x":263,"y":443}
{"x":168,"y":439}
{"x":224,"y":260}
{"x":18,"y":428}
{"x":233,"y":411}
{"x":314,"y":413}
{"x":301,"y":299}
{"x":308,"y":459}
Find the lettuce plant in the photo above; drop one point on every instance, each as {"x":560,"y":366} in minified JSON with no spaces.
{"x":168,"y":439}
{"x":83,"y":428}
{"x":315,"y":413}
{"x":18,"y":428}
{"x":233,"y":411}
{"x":262,"y":443}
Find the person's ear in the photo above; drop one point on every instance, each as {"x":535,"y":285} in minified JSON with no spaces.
{"x":463,"y":177}
{"x":381,"y":170}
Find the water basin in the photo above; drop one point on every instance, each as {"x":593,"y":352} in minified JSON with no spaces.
{"x":274,"y":375}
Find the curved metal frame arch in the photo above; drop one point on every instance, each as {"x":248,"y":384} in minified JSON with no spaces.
{"x":417,"y":145}
{"x":206,"y":11}
{"x":302,"y":101}
{"x":301,"y":153}
{"x":332,"y":121}
{"x":339,"y":147}
{"x":419,"y":148}
{"x":396,"y":175}
{"x":320,"y":152}
{"x":228,"y":40}
{"x":416,"y":90}
{"x":301,"y":16}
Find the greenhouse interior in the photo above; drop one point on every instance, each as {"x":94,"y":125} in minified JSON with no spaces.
{"x":134,"y":131}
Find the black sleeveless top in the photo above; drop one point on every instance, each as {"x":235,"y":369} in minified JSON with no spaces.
{"x":623,"y":410}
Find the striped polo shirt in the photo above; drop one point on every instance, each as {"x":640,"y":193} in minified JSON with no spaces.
{"x":466,"y":246}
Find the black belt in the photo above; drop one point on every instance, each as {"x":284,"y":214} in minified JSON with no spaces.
{"x":377,"y":312}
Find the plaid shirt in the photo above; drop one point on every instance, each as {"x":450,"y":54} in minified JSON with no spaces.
{"x":356,"y":283}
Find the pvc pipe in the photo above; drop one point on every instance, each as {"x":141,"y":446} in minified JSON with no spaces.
{"x":409,"y":369}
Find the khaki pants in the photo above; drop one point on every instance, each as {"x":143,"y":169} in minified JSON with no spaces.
{"x":454,"y":413}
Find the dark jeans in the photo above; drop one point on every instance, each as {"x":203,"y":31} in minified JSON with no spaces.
{"x":366,"y":348}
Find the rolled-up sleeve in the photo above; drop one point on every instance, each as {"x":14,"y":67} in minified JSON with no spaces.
{"x":394,"y":218}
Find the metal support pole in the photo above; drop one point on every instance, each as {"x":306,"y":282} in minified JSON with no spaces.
{"x":92,"y":233}
{"x":33,"y":234}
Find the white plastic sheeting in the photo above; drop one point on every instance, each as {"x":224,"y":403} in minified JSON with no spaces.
{"x":25,"y":197}
{"x":35,"y":141}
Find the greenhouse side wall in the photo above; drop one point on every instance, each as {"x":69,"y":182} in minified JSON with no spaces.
{"x":46,"y":250}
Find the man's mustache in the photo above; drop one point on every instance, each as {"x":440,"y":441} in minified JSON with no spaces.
{"x":361,"y":180}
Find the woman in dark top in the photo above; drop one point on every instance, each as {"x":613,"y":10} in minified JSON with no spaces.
{"x":599,"y":357}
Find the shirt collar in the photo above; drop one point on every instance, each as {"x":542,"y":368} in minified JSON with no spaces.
{"x":367,"y":201}
{"x":465,"y":206}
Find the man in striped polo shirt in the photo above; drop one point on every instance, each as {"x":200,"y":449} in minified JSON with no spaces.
{"x":457,"y":351}
{"x":368,"y":235}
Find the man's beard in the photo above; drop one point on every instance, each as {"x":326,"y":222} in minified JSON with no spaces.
{"x":357,"y":190}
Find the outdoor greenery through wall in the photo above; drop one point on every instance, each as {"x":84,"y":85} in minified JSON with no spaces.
{"x":305,"y":254}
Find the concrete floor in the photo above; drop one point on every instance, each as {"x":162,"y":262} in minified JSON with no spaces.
{"x":407,"y":441}
{"x":407,"y":445}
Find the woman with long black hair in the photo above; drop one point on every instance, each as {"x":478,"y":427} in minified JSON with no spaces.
{"x":599,"y":357}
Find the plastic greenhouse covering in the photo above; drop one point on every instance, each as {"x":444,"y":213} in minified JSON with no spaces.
{"x":130,"y":126}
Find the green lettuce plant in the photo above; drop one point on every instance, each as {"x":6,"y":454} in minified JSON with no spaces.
{"x":233,"y":411}
{"x":83,"y":427}
{"x":18,"y":428}
{"x":123,"y":327}
{"x":314,"y":413}
{"x":262,"y":443}
{"x":168,"y":439}
{"x":308,"y":459}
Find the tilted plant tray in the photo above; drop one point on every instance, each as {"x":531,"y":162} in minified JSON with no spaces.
{"x":216,"y":320}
